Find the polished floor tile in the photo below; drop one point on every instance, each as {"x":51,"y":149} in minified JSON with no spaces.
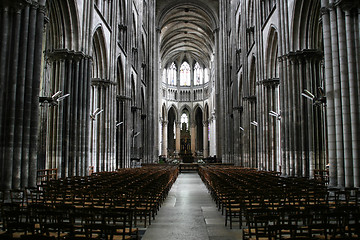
{"x":189,"y":213}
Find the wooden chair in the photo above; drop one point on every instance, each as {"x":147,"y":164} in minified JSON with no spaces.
{"x":250,"y":215}
{"x":121,"y":220}
{"x":99,"y":231}
{"x":281,"y":231}
{"x":233,"y":210}
{"x":2,"y":201}
{"x":80,"y":218}
{"x":17,"y":196}
{"x":56,"y":224}
{"x":263,"y":225}
{"x":37,"y":215}
{"x":142,"y":210}
{"x":16,"y":223}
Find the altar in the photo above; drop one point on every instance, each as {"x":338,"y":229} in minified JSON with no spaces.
{"x":191,"y":167}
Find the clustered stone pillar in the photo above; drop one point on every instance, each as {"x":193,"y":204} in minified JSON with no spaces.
{"x":205,"y":139}
{"x":164,"y":138}
{"x":341,"y":27}
{"x":66,"y":125}
{"x":212,"y":123}
{"x":21,"y":37}
{"x":102,"y":154}
{"x":193,"y":137}
{"x":270,"y":124}
{"x":246,"y":135}
{"x":178,"y":137}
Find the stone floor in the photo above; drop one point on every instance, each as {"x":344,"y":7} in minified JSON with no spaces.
{"x":189,"y":213}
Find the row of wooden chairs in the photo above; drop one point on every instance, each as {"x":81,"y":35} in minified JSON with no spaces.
{"x":136,"y":194}
{"x":262,"y":202}
{"x":67,"y":222}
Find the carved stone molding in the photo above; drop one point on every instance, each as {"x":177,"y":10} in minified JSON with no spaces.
{"x":100,"y":82}
{"x":251,"y":98}
{"x":63,"y":54}
{"x":271,"y":82}
{"x":239,"y":108}
{"x":122,"y":98}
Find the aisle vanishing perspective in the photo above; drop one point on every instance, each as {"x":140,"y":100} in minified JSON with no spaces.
{"x":189,"y":213}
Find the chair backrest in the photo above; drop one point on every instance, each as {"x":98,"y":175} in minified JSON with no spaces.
{"x":17,"y":196}
{"x":121,"y":220}
{"x":2,"y":196}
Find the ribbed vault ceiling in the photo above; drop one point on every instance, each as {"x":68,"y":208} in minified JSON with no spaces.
{"x":186,"y":30}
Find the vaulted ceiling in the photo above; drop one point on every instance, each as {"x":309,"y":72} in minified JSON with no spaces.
{"x":187,"y":31}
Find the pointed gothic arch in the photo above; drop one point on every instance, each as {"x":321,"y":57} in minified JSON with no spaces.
{"x":306,"y":25}
{"x":306,"y":59}
{"x":63,"y":31}
{"x":99,"y":54}
{"x":120,"y":77}
{"x":252,"y":77}
{"x":272,"y":68}
{"x":172,"y":119}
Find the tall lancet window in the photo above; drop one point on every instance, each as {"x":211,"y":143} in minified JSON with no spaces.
{"x":198,"y":74}
{"x":184,"y":121}
{"x":206,"y":73}
{"x":185,"y":74}
{"x":172,"y":74}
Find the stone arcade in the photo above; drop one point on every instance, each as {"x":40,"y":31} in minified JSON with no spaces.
{"x":270,"y":84}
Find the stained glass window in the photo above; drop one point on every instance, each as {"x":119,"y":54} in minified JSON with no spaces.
{"x":184,"y":120}
{"x":206,"y":75}
{"x":172,"y":74}
{"x":198,"y":74}
{"x":185,"y":74}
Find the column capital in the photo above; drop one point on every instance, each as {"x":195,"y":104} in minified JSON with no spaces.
{"x":324,"y":10}
{"x":347,"y":5}
{"x":331,"y":7}
{"x":16,"y":5}
{"x":216,"y":30}
{"x":64,"y":54}
{"x":239,"y":108}
{"x":251,"y":98}
{"x":271,"y":82}
{"x":100,"y":82}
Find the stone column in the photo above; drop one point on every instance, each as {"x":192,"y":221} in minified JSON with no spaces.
{"x":331,"y":133}
{"x":354,"y":98}
{"x":20,"y":96}
{"x":11,"y":104}
{"x":178,"y":136}
{"x":309,"y":137}
{"x":205,"y":139}
{"x":345,"y":99}
{"x":164,"y":138}
{"x":71,"y":64}
{"x":22,"y":26}
{"x":238,"y":135}
{"x":80,"y":119}
{"x":213,"y":135}
{"x":193,"y":137}
{"x":4,"y":39}
{"x":337,"y":98}
{"x":74,"y":105}
{"x":38,"y":54}
{"x":86,"y":112}
{"x":58,"y":126}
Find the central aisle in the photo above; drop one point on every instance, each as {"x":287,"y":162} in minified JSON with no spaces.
{"x":189,"y":213}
